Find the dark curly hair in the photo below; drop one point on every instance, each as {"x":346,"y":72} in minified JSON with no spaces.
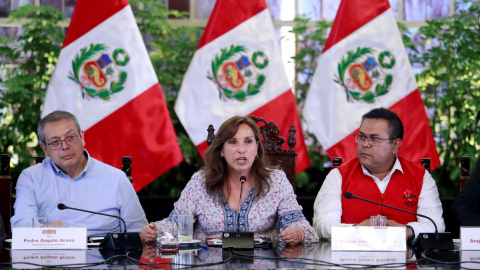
{"x":216,"y":168}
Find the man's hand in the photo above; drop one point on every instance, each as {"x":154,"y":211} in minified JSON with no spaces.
{"x":56,"y":224}
{"x":392,"y":223}
{"x":366,"y":222}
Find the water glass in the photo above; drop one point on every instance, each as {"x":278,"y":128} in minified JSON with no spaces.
{"x":39,"y":222}
{"x":378,"y":221}
{"x":160,"y":233}
{"x":185,"y":227}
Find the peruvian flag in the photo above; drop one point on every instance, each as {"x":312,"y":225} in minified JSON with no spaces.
{"x":237,"y":70}
{"x":364,"y":66}
{"x":105,"y":77}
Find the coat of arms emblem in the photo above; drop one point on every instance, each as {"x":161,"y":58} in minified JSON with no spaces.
{"x":363,"y":74}
{"x":99,"y":73}
{"x":237,"y":74}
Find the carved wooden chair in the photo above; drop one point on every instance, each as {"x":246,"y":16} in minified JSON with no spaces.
{"x":5,"y":192}
{"x":285,"y":159}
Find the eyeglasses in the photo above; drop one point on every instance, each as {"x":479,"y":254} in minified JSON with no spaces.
{"x":69,"y":140}
{"x":373,"y":140}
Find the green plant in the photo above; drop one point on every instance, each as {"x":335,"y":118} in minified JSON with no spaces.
{"x":450,"y":85}
{"x":28,"y":63}
{"x":311,"y":39}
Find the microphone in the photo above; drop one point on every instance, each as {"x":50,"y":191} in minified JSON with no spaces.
{"x":62,"y":206}
{"x":425,"y":241}
{"x":242,"y":180}
{"x":113,"y":240}
{"x":238,"y":239}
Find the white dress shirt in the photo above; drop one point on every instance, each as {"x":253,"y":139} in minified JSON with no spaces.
{"x":328,"y":204}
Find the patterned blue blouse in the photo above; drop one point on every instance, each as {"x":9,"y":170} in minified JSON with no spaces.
{"x":266,"y":216}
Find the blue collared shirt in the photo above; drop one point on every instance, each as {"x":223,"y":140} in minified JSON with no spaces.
{"x":99,"y":188}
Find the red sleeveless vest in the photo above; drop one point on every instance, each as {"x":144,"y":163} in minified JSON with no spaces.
{"x":402,"y":192}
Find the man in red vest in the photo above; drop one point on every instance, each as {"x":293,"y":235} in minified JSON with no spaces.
{"x":378,"y":174}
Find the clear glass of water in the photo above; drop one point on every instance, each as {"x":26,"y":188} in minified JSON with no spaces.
{"x":185,"y":227}
{"x":378,"y":221}
{"x":40,"y":222}
{"x":160,"y":233}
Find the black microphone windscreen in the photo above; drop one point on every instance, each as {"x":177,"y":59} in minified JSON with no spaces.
{"x":243,"y":178}
{"x":348,"y":195}
{"x":61,"y":206}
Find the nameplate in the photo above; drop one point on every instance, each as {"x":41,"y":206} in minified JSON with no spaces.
{"x":48,"y":257}
{"x":367,"y":238}
{"x":470,"y":259}
{"x":369,"y":258}
{"x":469,"y":238}
{"x":49,"y":238}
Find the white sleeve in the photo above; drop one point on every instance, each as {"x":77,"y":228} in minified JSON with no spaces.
{"x":328,"y":205}
{"x":428,"y":205}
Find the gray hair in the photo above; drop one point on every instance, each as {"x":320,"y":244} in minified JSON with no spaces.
{"x":54,"y":117}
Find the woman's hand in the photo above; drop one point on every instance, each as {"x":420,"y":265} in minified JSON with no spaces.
{"x":292,"y":251}
{"x":292,"y":236}
{"x":149,"y":232}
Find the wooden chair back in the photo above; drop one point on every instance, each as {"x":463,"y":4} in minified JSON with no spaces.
{"x":337,"y":161}
{"x":5,"y":192}
{"x":39,"y":159}
{"x":127,"y":167}
{"x":464,"y":170}
{"x":284,"y":158}
{"x":425,"y":163}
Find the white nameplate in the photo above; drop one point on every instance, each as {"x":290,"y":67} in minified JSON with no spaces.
{"x":367,"y":238}
{"x":470,"y":256}
{"x":369,"y":258}
{"x":48,"y":257}
{"x":49,"y":238}
{"x":469,"y":238}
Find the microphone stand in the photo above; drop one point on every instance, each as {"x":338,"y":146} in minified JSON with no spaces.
{"x":237,"y":239}
{"x":399,"y":209}
{"x":113,"y":240}
{"x":62,"y":206}
{"x":424,"y":241}
{"x":239,"y":207}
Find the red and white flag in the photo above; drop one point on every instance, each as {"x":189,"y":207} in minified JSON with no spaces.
{"x":237,"y":70}
{"x":364,"y":66}
{"x":105,"y":77}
